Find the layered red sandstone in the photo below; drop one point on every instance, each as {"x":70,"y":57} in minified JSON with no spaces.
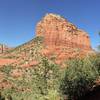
{"x":62,"y":37}
{"x":57,"y":31}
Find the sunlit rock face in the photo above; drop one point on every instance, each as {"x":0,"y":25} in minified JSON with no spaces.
{"x":60,"y":34}
{"x":57,"y":31}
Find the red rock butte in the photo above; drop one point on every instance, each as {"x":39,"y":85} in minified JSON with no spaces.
{"x":57,"y":31}
{"x":60,"y":34}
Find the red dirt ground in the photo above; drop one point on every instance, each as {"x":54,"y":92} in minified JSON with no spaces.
{"x":6,"y":61}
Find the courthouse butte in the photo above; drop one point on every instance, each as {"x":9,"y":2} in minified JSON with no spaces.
{"x":62,"y":39}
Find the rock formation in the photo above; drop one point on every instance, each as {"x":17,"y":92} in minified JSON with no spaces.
{"x":57,"y":31}
{"x":60,"y":34}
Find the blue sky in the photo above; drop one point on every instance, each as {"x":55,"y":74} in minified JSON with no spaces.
{"x":18,"y":18}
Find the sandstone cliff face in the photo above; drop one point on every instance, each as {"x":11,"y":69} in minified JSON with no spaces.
{"x":62,"y":37}
{"x":57,"y":31}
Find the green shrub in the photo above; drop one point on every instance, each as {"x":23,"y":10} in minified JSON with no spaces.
{"x":79,"y":78}
{"x":96,"y":61}
{"x":46,"y":77}
{"x":2,"y":97}
{"x":6,"y":69}
{"x":38,"y":39}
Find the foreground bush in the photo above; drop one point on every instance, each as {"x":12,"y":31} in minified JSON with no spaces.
{"x":79,"y":78}
{"x":96,"y":61}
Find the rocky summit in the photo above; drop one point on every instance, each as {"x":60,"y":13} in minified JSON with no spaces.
{"x":62,"y":37}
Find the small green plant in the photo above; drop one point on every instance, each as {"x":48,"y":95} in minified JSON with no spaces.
{"x":6,"y":69}
{"x":38,"y":39}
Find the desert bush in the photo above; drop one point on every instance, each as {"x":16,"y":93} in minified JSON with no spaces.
{"x":2,"y":97}
{"x":46,"y":77}
{"x":79,"y":78}
{"x":6,"y":69}
{"x":38,"y":39}
{"x":96,"y":61}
